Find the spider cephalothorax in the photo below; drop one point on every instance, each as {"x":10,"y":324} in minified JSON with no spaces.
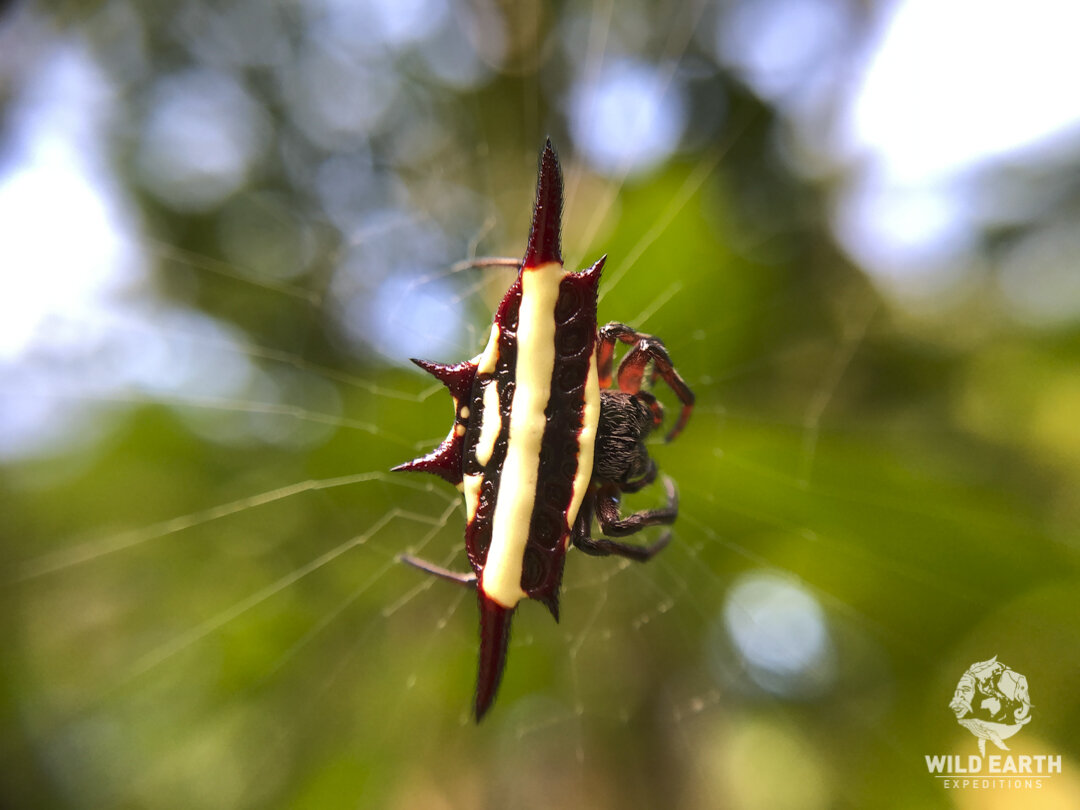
{"x":537,"y":448}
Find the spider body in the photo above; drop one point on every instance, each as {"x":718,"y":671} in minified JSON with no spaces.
{"x":537,"y":448}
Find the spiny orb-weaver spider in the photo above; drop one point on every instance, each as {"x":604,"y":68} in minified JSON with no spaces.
{"x":539,"y":444}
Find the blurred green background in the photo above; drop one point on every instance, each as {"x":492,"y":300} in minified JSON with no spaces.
{"x":225,"y":228}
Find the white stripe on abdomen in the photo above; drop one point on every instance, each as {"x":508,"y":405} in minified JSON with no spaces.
{"x":534,"y":366}
{"x":590,"y":418}
{"x":490,"y":423}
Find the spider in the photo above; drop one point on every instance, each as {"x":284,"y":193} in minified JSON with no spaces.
{"x":541,"y":442}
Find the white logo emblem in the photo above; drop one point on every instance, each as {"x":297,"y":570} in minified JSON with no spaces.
{"x":991,"y":701}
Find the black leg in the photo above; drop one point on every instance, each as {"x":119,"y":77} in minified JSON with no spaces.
{"x":484,"y":263}
{"x":607,"y":512}
{"x":469,"y":579}
{"x":644,"y":481}
{"x":602,"y":547}
{"x":607,"y":505}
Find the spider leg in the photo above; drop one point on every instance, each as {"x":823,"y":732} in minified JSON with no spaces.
{"x":630,"y":373}
{"x":654,"y":406}
{"x":485,"y":262}
{"x":607,"y":512}
{"x":468,"y":580}
{"x":632,"y":369}
{"x":602,"y":547}
{"x":644,"y":348}
{"x":610,"y":523}
{"x":644,"y":481}
{"x":608,"y":335}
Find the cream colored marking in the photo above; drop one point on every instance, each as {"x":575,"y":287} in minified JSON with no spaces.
{"x":517,"y":490}
{"x":471,"y":488}
{"x":459,"y":429}
{"x":464,"y":412}
{"x":486,"y":360}
{"x":490,"y":423}
{"x":590,"y":418}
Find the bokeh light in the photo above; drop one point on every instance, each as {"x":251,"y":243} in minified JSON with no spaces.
{"x":780,"y":632}
{"x":779,"y":45}
{"x":951,"y":85}
{"x":203,"y":135}
{"x":628,"y":119}
{"x":950,"y":90}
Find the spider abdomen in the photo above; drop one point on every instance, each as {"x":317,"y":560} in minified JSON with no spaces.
{"x":540,"y":463}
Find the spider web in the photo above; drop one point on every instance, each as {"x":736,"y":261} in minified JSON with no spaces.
{"x":256,"y":642}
